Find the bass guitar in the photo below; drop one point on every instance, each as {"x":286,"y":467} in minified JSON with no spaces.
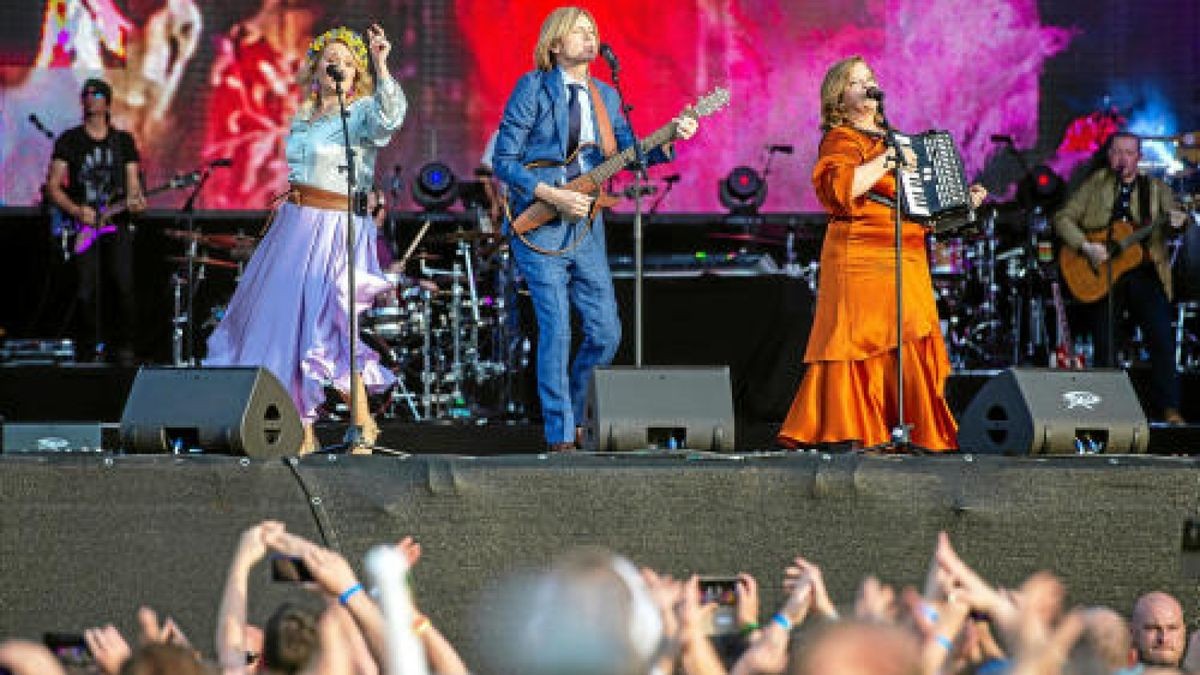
{"x":540,"y":212}
{"x":83,"y":235}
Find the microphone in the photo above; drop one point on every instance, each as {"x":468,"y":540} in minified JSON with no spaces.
{"x":785,"y":149}
{"x":334,"y":73}
{"x":40,"y":127}
{"x":224,"y":161}
{"x":609,"y":56}
{"x":1002,"y":138}
{"x":875,"y":93}
{"x":673,"y":178}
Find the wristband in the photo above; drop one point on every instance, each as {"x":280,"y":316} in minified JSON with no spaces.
{"x":344,"y":598}
{"x":749,"y":628}
{"x":421,"y":624}
{"x":783,"y":621}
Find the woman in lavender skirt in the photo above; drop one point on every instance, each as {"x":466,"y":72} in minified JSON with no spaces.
{"x":290,"y":312}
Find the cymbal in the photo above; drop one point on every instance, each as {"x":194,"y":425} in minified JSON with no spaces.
{"x":230,"y":241}
{"x":225,"y":241}
{"x":467,"y":235}
{"x":205,"y":260}
{"x":746,"y":238}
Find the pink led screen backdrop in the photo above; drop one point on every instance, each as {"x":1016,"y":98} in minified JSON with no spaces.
{"x":199,"y":80}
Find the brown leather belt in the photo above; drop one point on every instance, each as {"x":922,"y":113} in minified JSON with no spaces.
{"x":306,"y":195}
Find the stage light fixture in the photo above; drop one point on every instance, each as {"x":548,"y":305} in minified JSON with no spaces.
{"x":743,"y":191}
{"x":1041,"y":187}
{"x":435,"y":187}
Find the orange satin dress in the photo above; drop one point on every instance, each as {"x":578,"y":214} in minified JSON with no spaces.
{"x":849,"y":388}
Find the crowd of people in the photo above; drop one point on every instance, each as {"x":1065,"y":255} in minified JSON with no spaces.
{"x":593,"y":612}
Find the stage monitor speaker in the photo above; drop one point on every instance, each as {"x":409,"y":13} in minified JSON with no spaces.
{"x":241,"y":411}
{"x":660,"y":408}
{"x":1036,"y":411}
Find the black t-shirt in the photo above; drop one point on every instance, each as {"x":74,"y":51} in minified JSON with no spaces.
{"x":95,"y":169}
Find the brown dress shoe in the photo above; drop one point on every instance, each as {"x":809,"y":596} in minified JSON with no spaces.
{"x":1171,"y":416}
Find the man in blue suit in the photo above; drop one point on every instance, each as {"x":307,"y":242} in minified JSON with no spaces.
{"x":549,"y":135}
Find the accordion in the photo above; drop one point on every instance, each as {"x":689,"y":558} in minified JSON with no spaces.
{"x":935,"y":192}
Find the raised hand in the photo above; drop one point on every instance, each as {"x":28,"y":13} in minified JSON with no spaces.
{"x":821,"y":603}
{"x":747,"y":600}
{"x":378,"y":45}
{"x":108,"y":647}
{"x":409,"y":550}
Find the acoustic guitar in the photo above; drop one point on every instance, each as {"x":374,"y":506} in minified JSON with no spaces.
{"x":1089,"y":282}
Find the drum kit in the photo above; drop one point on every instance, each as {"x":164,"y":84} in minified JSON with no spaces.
{"x":447,"y":328}
{"x":450,"y":332}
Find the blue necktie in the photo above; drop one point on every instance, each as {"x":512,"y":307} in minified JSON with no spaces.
{"x":574,"y":123}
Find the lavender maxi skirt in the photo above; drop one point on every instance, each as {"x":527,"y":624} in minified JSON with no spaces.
{"x":289,"y":312}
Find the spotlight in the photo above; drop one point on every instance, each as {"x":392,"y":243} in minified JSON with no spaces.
{"x":743,"y":191}
{"x":435,"y":187}
{"x":1041,"y":187}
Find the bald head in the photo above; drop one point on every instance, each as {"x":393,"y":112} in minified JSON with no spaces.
{"x":852,"y":648}
{"x":1106,"y":638}
{"x":1159,"y":634}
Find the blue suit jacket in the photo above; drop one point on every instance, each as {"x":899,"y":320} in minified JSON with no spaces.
{"x":534,"y":128}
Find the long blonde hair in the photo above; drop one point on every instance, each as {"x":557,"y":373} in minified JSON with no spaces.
{"x":837,"y":79}
{"x":364,"y":83}
{"x":554,"y":29}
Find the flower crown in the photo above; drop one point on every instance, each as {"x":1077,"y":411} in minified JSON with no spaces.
{"x":340,"y":34}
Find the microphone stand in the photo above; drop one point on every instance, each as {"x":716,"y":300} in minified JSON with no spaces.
{"x":901,"y":433}
{"x":353,"y":439}
{"x":639,"y":179}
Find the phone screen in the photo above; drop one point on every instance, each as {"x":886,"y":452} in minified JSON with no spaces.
{"x":723,"y":592}
{"x":289,"y":569}
{"x":69,"y":648}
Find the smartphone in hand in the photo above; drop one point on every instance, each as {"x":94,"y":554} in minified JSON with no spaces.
{"x":69,"y":648}
{"x":723,"y":592}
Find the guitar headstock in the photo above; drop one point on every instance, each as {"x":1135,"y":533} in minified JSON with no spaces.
{"x":709,"y":103}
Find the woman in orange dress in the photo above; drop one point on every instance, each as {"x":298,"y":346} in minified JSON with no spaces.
{"x":849,"y":389}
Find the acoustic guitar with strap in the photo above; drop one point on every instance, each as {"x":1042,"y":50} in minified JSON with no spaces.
{"x":1089,"y":282}
{"x":540,"y":212}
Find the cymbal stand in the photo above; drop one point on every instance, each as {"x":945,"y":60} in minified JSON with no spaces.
{"x":456,"y":362}
{"x":427,"y":350}
{"x":464,"y":250}
{"x":178,"y":319}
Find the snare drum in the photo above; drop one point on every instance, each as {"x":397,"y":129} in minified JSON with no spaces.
{"x":402,"y":320}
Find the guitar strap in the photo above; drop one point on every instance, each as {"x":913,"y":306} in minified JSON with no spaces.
{"x":608,"y":140}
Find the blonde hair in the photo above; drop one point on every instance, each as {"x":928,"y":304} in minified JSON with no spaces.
{"x":364,"y":83}
{"x":837,"y":79}
{"x":554,"y":29}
